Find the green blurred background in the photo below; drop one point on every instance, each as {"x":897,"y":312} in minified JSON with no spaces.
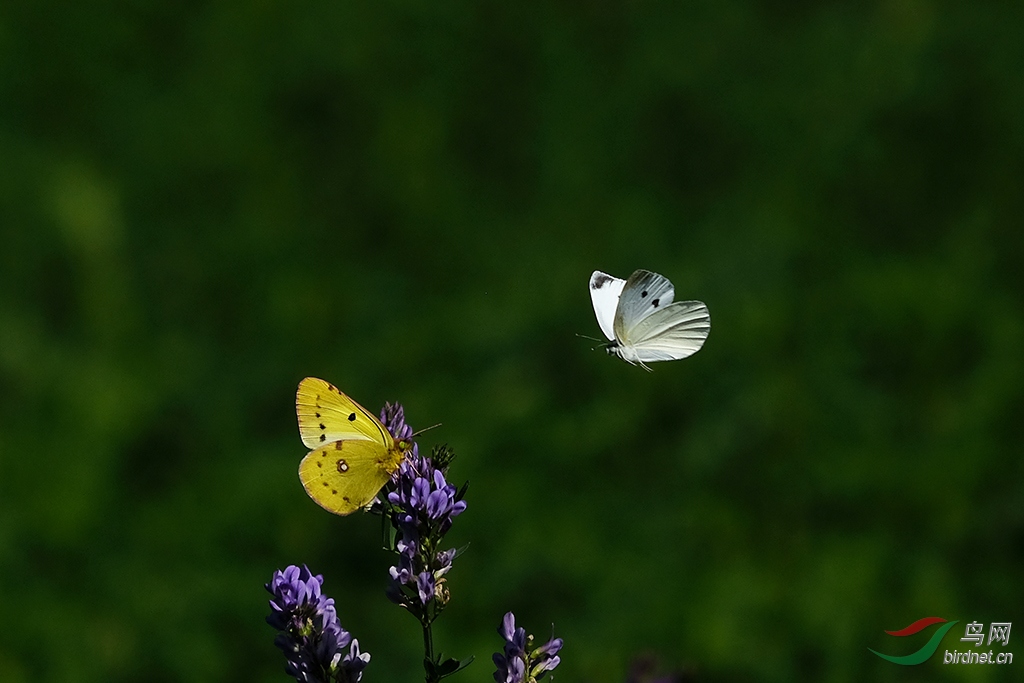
{"x":202,"y":203}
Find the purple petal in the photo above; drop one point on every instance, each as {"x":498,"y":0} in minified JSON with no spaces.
{"x":425,"y":587}
{"x":437,"y":504}
{"x":549,"y":648}
{"x":508,"y":626}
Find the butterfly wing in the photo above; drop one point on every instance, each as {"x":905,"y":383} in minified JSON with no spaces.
{"x":604,"y":293}
{"x":670,"y":333}
{"x":326,"y":415}
{"x":643,"y":294}
{"x":344,"y":476}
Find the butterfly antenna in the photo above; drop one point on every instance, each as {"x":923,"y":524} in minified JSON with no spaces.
{"x":425,"y":429}
{"x":601,"y":344}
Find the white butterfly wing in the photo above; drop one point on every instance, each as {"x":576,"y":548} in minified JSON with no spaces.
{"x":643,"y":295}
{"x":604,"y":293}
{"x":670,"y":333}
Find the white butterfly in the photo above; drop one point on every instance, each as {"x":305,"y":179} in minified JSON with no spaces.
{"x":641,"y":321}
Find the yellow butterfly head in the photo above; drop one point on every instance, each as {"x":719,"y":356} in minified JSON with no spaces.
{"x":392,"y":416}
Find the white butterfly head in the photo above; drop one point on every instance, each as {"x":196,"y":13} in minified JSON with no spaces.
{"x":641,"y":321}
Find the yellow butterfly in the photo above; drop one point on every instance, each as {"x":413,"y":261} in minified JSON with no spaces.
{"x":353,"y":454}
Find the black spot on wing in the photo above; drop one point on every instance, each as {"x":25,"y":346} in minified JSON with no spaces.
{"x":600,"y":281}
{"x":656,"y":302}
{"x":323,"y":437}
{"x":352,"y":417}
{"x":643,"y":294}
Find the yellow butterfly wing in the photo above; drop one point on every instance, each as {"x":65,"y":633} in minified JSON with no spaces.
{"x":344,"y":476}
{"x":326,"y":415}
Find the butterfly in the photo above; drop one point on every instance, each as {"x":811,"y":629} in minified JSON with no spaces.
{"x":641,"y":321}
{"x":352,"y":453}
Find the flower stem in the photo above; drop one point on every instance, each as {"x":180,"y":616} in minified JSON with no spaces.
{"x":428,"y":649}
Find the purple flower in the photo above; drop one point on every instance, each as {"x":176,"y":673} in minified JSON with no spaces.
{"x":423,"y":506}
{"x":517,"y":663}
{"x":317,"y":648}
{"x":423,"y":497}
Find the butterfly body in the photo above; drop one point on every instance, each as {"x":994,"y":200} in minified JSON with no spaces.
{"x":352,"y":455}
{"x":643,"y":322}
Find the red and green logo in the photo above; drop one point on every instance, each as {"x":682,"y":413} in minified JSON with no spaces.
{"x":926,"y":650}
